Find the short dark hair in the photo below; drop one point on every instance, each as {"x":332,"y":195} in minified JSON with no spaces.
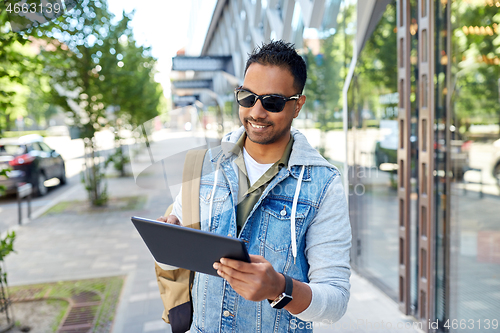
{"x":279,"y":53}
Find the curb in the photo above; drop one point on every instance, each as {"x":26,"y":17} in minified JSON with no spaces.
{"x":39,"y":212}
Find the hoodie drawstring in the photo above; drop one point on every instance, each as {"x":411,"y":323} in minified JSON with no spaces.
{"x":294,"y":211}
{"x":213,"y":193}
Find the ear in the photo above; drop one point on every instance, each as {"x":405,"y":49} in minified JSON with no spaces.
{"x":299,"y":104}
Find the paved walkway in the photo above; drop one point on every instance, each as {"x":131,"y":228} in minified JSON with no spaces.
{"x":71,"y":246}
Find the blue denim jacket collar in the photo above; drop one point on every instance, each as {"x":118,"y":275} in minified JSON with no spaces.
{"x":302,"y":152}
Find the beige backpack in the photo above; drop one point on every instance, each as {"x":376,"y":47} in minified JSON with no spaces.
{"x":175,"y":285}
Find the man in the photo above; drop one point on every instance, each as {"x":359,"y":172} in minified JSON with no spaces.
{"x":266,"y":185}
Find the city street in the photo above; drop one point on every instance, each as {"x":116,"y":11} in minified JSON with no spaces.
{"x":70,"y":246}
{"x":72,"y":151}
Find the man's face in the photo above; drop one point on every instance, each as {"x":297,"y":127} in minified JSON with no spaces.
{"x":264,"y":127}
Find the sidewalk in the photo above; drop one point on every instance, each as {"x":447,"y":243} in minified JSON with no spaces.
{"x":71,"y":246}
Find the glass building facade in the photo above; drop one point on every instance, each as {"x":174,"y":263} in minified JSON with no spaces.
{"x":461,"y":94}
{"x":404,"y":97}
{"x":370,"y":131}
{"x":472,"y":115}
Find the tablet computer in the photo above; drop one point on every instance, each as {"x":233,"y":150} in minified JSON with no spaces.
{"x":188,"y":248}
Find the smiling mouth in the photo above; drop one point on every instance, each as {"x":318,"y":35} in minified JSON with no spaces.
{"x":257,"y":126}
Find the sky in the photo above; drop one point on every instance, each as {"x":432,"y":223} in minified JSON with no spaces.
{"x":163,"y":25}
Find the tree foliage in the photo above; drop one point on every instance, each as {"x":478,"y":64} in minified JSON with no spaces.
{"x":6,"y":247}
{"x":94,"y":64}
{"x":19,"y":67}
{"x":475,"y":63}
{"x":380,"y":55}
{"x":98,"y":75}
{"x":327,"y":69}
{"x":9,"y":72}
{"x":377,"y":71}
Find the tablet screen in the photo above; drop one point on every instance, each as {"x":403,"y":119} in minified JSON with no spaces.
{"x":188,"y":248}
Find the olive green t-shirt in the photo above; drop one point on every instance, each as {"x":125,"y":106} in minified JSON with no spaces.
{"x":248,"y":195}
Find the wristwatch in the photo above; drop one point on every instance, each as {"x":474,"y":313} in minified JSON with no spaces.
{"x":284,"y":298}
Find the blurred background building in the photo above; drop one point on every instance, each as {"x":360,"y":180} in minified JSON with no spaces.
{"x":402,"y":96}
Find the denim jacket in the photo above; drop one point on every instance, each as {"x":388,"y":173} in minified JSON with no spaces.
{"x":315,"y":251}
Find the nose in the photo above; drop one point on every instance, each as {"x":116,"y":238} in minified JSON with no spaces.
{"x":257,"y":111}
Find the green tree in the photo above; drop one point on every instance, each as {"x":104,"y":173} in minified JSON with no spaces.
{"x":95,"y":64}
{"x":476,"y":63}
{"x":16,"y":64}
{"x":376,"y":71}
{"x":326,"y":73}
{"x":380,"y":54}
{"x":6,"y":247}
{"x":130,"y":89}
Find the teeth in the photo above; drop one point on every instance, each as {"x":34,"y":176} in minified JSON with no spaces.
{"x":257,"y":126}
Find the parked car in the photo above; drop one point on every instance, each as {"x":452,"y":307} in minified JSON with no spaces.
{"x":30,"y":160}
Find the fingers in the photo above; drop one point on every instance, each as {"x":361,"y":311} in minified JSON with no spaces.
{"x":247,"y":285}
{"x":231,"y":275}
{"x":171,"y":219}
{"x":244,"y":288}
{"x":237,"y":265}
{"x":244,"y":267}
{"x":240,"y":270}
{"x":253,"y":281}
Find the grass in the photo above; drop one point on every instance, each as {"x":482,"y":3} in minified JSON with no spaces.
{"x":113,"y":205}
{"x":107,"y":311}
{"x":64,"y":306}
{"x":60,"y":207}
{"x":108,"y":289}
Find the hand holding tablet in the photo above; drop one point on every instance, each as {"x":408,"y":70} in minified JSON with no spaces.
{"x":188,"y":248}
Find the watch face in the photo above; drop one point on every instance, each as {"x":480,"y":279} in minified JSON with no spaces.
{"x":278,"y":299}
{"x":281,"y":301}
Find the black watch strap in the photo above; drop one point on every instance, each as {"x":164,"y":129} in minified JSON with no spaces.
{"x":288,"y":285}
{"x":284,"y":298}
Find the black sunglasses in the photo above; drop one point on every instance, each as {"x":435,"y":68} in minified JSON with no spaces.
{"x":272,"y":103}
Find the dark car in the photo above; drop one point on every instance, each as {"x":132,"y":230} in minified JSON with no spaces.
{"x":29,"y":160}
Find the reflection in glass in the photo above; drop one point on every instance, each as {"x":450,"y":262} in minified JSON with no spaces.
{"x":373,"y":138}
{"x":475,"y":161}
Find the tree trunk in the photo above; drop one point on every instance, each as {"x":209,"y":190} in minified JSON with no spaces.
{"x":93,"y":175}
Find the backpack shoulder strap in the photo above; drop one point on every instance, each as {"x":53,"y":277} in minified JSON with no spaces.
{"x":191,"y":175}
